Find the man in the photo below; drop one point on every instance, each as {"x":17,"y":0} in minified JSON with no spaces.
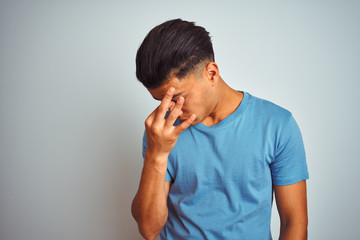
{"x":213,"y":156}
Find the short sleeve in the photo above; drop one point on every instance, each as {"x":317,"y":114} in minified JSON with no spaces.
{"x":289,"y":164}
{"x":144,"y":145}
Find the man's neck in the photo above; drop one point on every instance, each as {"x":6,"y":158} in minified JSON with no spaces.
{"x":229,"y":101}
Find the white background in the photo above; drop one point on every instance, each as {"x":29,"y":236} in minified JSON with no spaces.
{"x":72,"y":112}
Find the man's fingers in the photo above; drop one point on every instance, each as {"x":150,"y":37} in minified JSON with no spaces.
{"x":174,"y":113}
{"x":172,"y":105}
{"x":150,"y":118}
{"x":179,"y":129}
{"x":164,"y":105}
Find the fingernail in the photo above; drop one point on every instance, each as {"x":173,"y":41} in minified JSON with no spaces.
{"x":192,"y":117}
{"x":181,"y":100}
{"x":171,"y":90}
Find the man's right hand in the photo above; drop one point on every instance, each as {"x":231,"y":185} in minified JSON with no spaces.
{"x":160,"y":132}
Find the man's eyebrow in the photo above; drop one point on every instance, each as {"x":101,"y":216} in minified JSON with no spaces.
{"x":175,"y":95}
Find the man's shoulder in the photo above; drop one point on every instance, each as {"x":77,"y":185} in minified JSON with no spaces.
{"x":267,"y":108}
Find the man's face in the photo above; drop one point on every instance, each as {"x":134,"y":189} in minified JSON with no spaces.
{"x":197,"y":92}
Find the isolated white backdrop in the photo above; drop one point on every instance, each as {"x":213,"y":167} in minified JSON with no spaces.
{"x":72,"y":111}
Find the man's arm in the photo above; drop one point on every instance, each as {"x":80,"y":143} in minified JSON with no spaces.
{"x":291,"y":202}
{"x":149,"y":207}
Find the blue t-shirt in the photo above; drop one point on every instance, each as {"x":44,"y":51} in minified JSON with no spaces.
{"x":222,"y":175}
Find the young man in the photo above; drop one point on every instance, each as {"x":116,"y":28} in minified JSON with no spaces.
{"x":213,"y":156}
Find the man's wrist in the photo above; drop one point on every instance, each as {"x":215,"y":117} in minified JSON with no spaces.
{"x":156,"y":160}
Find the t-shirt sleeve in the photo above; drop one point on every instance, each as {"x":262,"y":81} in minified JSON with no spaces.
{"x":144,"y":145}
{"x":289,"y":164}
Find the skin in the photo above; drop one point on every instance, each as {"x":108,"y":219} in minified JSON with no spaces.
{"x":205,"y":95}
{"x":201,"y":97}
{"x":292,"y":206}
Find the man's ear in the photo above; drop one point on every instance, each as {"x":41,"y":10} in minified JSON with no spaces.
{"x":212,"y":73}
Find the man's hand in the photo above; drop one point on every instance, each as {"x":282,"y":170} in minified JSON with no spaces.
{"x":160,"y":132}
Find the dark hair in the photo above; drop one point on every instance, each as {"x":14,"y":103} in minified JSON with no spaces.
{"x":173,"y":47}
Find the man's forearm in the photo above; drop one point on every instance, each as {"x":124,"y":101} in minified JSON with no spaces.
{"x":149,"y":207}
{"x":293,"y":232}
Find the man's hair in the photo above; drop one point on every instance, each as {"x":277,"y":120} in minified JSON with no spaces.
{"x":173,"y":48}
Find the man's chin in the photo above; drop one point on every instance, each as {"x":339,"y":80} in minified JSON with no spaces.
{"x":184,"y":119}
{"x":195,"y":123}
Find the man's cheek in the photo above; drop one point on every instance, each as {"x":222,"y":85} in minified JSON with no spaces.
{"x":188,"y":109}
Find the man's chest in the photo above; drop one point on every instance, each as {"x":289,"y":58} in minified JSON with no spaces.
{"x":232,"y":157}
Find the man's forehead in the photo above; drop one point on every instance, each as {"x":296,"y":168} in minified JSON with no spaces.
{"x":159,"y":93}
